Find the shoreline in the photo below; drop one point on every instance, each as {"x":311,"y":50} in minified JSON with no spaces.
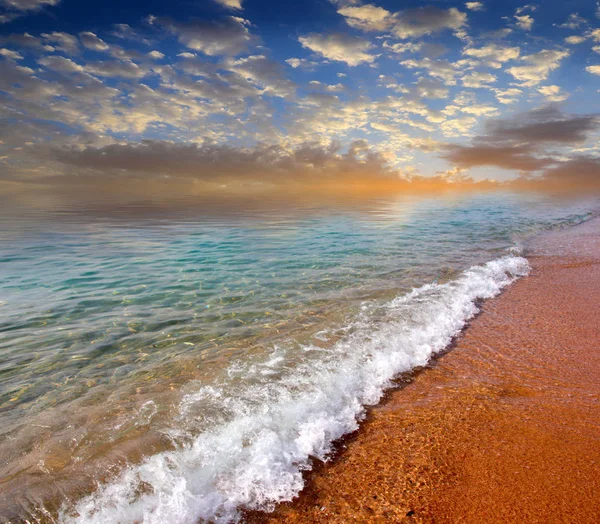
{"x":502,"y":427}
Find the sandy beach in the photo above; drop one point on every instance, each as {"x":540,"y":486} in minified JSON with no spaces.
{"x":504,"y":427}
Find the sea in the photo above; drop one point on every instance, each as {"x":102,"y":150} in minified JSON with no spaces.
{"x":188,"y":362}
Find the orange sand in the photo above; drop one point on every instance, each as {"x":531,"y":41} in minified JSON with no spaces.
{"x":505,"y":428}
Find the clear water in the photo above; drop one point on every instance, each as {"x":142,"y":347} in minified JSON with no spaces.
{"x":179,"y":367}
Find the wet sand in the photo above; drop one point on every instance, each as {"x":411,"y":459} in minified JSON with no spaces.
{"x":504,"y":428}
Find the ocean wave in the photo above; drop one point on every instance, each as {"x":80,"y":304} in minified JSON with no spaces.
{"x":265,"y":429}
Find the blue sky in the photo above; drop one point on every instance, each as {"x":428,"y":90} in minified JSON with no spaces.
{"x":218,"y":88}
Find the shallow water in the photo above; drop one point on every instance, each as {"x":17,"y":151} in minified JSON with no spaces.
{"x":174,"y":366}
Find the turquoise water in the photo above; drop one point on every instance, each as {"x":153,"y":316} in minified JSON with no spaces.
{"x":163,"y":341}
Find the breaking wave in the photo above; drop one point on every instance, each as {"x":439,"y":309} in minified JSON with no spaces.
{"x":266,"y":425}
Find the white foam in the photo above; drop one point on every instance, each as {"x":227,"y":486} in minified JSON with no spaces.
{"x":266,"y":428}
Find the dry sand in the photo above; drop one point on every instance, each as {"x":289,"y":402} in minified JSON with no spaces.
{"x":504,"y":428}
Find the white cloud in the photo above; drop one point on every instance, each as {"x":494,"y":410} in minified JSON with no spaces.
{"x":494,"y":55}
{"x":116,"y":69}
{"x":508,"y":96}
{"x":474,"y":6}
{"x":28,"y":5}
{"x":575,"y":39}
{"x":263,"y":72}
{"x":409,"y":23}
{"x":403,"y":47}
{"x":294,"y":62}
{"x":340,"y":47}
{"x":524,"y":21}
{"x":594,"y":35}
{"x":367,"y":17}
{"x":331,"y":88}
{"x":457,"y":127}
{"x":63,"y":42}
{"x":157,"y":55}
{"x":594,"y":69}
{"x":573,"y":22}
{"x":18,"y":8}
{"x":230,"y":4}
{"x":61,"y":64}
{"x":553,"y":93}
{"x":478,"y":79}
{"x":480,"y":110}
{"x":229,"y":36}
{"x":539,"y":65}
{"x":528,"y":7}
{"x":126,"y":32}
{"x":91,"y":41}
{"x":442,"y":69}
{"x":303,"y":63}
{"x":13,"y":55}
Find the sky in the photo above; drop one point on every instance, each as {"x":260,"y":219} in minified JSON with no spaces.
{"x":206,"y":94}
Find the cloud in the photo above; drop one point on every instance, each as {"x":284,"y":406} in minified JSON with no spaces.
{"x":575,"y":39}
{"x":230,"y":4}
{"x":110,"y":68}
{"x":524,"y":22}
{"x":527,"y":7}
{"x":126,"y":32}
{"x":430,"y":88}
{"x":579,"y":173}
{"x":229,"y":36}
{"x":480,"y":110}
{"x":474,"y":6}
{"x":8,"y":17}
{"x":442,"y":69}
{"x":520,"y":158}
{"x":493,"y":55}
{"x":28,"y":5}
{"x":421,"y":21}
{"x":539,"y":65}
{"x":594,"y":69}
{"x":403,"y":47}
{"x":409,"y":23}
{"x":367,"y":17}
{"x":479,"y":80}
{"x":26,"y":41}
{"x":519,"y":143}
{"x":507,"y":96}
{"x":264,"y":72}
{"x":222,"y":86}
{"x":210,"y":161}
{"x":13,"y":55}
{"x":340,"y":47}
{"x":553,"y":93}
{"x":91,"y":41}
{"x":543,"y":125}
{"x":61,"y":64}
{"x":573,"y":21}
{"x":62,"y":42}
{"x":116,"y":68}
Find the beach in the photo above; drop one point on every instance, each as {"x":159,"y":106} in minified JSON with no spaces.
{"x":503,"y":427}
{"x":193,"y":369}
